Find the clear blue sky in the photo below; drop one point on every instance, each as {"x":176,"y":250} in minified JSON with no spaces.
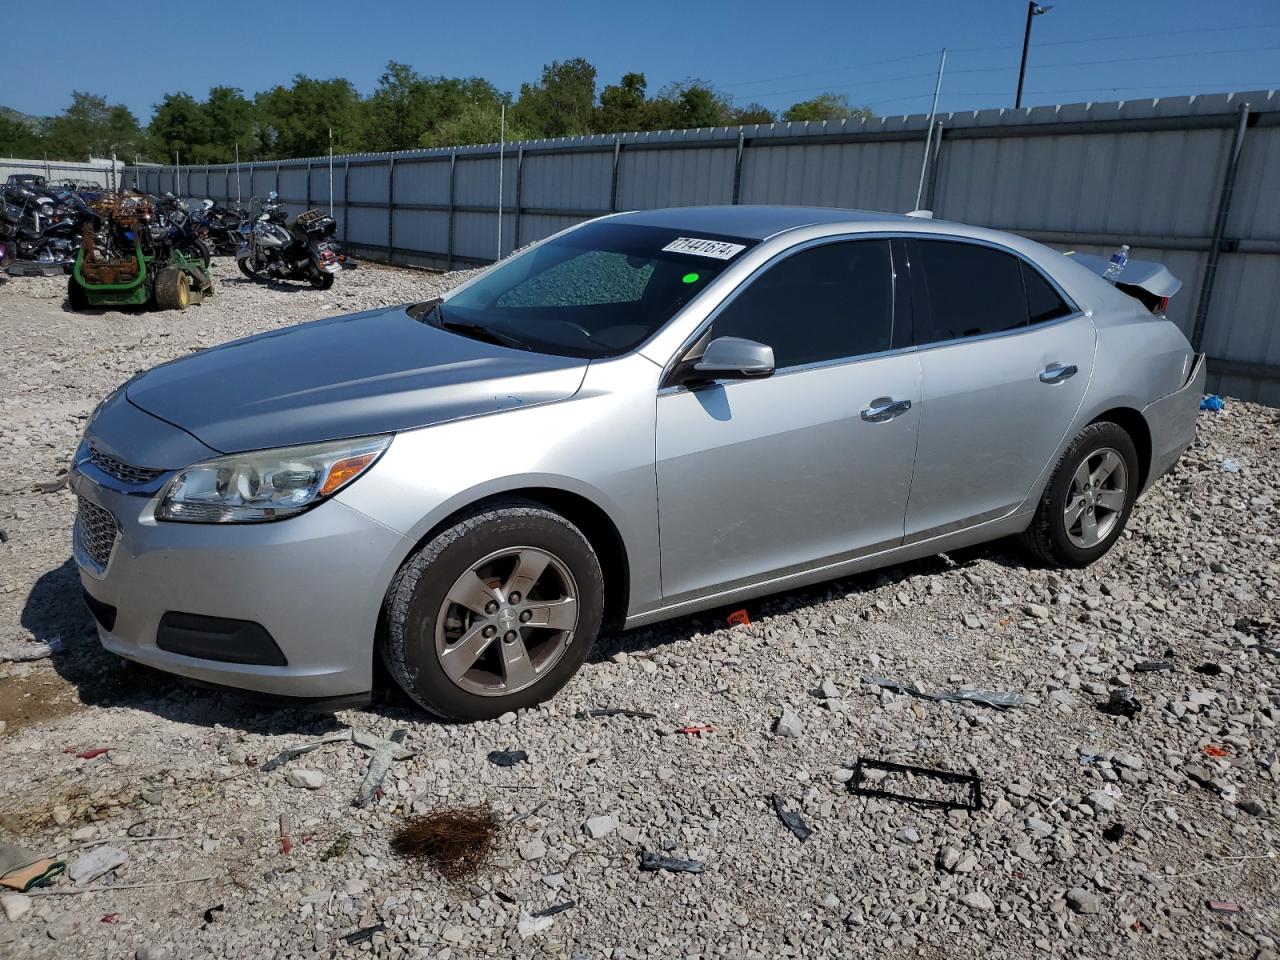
{"x":883,"y":54}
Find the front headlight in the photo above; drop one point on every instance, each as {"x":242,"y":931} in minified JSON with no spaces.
{"x":267,"y":484}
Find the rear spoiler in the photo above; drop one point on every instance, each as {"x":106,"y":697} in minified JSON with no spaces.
{"x":1146,"y":281}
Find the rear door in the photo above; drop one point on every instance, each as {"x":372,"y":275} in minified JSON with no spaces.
{"x":761,"y":478}
{"x":1005,"y":358}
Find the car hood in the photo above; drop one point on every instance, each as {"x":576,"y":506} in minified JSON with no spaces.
{"x":365,"y":373}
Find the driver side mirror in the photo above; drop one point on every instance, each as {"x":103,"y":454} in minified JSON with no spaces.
{"x":735,"y":357}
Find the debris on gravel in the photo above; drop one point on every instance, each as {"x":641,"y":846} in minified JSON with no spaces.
{"x":696,"y":861}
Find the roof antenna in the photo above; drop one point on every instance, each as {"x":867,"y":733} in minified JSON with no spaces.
{"x":924,"y":162}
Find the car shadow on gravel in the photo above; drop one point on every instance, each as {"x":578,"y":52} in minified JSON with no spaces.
{"x":55,"y":609}
{"x":641,"y":640}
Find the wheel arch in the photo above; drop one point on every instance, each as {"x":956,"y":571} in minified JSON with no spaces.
{"x":588,"y":516}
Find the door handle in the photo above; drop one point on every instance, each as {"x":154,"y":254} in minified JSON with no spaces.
{"x":1058,"y":372}
{"x":883,"y":409}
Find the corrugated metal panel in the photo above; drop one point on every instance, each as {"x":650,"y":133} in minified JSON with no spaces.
{"x":97,"y":172}
{"x":476,"y":182}
{"x":368,"y":184}
{"x":589,"y":174}
{"x":675,"y":178}
{"x":422,"y":181}
{"x":293,"y":184}
{"x":536,"y":226}
{"x":424,"y":230}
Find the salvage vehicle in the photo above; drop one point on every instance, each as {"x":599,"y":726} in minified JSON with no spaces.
{"x":305,"y":249}
{"x":640,"y":417}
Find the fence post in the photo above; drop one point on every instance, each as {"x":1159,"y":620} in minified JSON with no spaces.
{"x":346,"y":199}
{"x":737,"y":166}
{"x":277,"y":181}
{"x":1219,"y":228}
{"x":391,"y":209}
{"x":613,"y":183}
{"x":933,"y":170}
{"x":519,"y":183}
{"x":308,"y":184}
{"x":453,"y":166}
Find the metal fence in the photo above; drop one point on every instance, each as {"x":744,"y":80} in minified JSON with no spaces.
{"x":95,"y":171}
{"x":1190,"y":181}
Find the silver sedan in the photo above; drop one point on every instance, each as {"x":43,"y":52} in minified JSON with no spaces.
{"x":644,"y":416}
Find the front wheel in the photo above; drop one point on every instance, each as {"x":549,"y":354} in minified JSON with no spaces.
{"x":1088,"y":500}
{"x":495,"y":613}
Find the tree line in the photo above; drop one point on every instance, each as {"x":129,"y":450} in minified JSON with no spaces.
{"x":407,"y":110}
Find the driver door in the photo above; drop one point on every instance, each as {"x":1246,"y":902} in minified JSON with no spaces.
{"x":759,"y":478}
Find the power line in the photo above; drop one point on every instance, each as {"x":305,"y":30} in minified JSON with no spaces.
{"x":1002,"y":69}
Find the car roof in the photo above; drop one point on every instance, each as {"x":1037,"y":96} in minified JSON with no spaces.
{"x":756,"y":221}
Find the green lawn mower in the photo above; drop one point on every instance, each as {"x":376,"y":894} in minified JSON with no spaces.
{"x":127,"y":259}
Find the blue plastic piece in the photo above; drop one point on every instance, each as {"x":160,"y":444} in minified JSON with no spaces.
{"x":1213,"y":403}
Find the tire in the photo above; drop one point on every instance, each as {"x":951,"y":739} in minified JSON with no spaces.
{"x":197,"y":249}
{"x":77,"y":297}
{"x":246,"y":268}
{"x":321,"y":280}
{"x":173,"y":289}
{"x":1067,"y":540}
{"x":425,"y":625}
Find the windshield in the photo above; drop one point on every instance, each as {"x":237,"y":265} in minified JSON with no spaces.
{"x":598,"y":291}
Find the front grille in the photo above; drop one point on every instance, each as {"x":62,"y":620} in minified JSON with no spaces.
{"x":95,"y":533}
{"x":124,"y":472}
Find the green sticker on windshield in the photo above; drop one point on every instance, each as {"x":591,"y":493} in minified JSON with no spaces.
{"x":690,"y":278}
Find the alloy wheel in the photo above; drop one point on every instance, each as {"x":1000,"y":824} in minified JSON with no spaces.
{"x":1096,"y":498}
{"x":507,"y":621}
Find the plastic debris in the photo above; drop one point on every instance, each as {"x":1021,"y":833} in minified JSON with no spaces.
{"x":528,"y":925}
{"x":109,"y":918}
{"x":286,"y":834}
{"x":1208,"y":669}
{"x":696,"y":730}
{"x":616,"y":712}
{"x":1230,"y":465}
{"x":1122,"y":703}
{"x":738,"y":618}
{"x":385,"y":752}
{"x":52,"y":486}
{"x":26,"y":651}
{"x":1213,"y":750}
{"x":558,"y":908}
{"x":1212,"y":402}
{"x":22,"y":869}
{"x":654,"y":861}
{"x":507,"y":758}
{"x":1152,"y":666}
{"x":867,"y":771}
{"x":88,"y":754}
{"x":988,"y":698}
{"x":212,"y":913}
{"x":95,"y":863}
{"x":1224,"y":906}
{"x":790,"y":819}
{"x":363,"y":934}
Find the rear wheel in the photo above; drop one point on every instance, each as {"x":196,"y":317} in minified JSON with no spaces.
{"x":320,"y":280}
{"x":1088,"y":500}
{"x":495,"y":613}
{"x":173,"y":289}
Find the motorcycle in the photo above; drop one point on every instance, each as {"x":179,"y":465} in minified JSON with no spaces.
{"x":223,"y":224}
{"x":41,"y":228}
{"x":302,"y":250}
{"x":183,"y":228}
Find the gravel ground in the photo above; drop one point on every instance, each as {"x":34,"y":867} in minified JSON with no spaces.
{"x":1099,"y":835}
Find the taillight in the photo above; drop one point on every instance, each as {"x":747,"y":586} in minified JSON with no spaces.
{"x":1161,"y":306}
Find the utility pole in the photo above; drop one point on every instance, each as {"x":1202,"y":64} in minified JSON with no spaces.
{"x":1033,"y":10}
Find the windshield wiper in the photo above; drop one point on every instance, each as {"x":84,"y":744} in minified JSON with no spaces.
{"x":477,"y":330}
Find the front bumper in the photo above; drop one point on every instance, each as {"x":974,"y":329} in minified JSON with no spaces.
{"x":314,"y":582}
{"x":1172,"y":421}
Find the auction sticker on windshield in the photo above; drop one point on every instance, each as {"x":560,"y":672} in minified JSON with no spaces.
{"x":718,"y":249}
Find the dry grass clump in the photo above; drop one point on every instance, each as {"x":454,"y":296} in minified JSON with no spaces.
{"x":456,"y":841}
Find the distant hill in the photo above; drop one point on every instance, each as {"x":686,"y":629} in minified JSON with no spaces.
{"x":35,"y":123}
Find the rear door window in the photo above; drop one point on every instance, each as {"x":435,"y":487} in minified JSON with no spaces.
{"x":967,"y":290}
